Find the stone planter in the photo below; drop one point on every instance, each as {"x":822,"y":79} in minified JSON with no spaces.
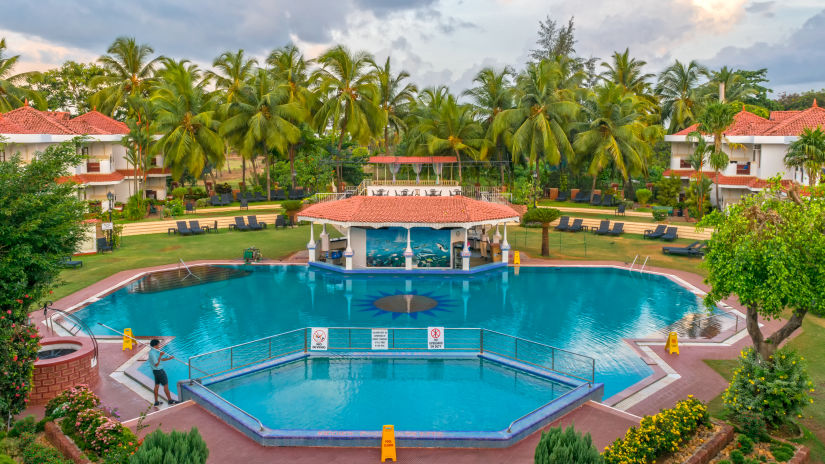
{"x":64,"y":444}
{"x":77,"y":365}
{"x":573,"y":193}
{"x":712,"y":446}
{"x":553,"y":193}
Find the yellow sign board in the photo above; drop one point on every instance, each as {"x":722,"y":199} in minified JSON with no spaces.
{"x":516,"y":257}
{"x":388,"y":443}
{"x":128,"y":342}
{"x":672,"y":345}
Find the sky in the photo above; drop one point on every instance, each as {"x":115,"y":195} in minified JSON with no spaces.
{"x":436,"y":41}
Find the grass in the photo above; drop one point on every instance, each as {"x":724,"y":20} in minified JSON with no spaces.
{"x":207,"y":212}
{"x":611,"y":217}
{"x":570,"y":204}
{"x":809,"y":343}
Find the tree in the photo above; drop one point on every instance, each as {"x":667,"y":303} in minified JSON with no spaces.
{"x":567,"y":446}
{"x":808,"y":152}
{"x":697,"y":160}
{"x":11,"y":95}
{"x":554,"y":40}
{"x":139,"y":142}
{"x":173,"y":448}
{"x":614,"y":133}
{"x":261,"y":119}
{"x":718,"y":161}
{"x":769,"y":252}
{"x":394,"y":99}
{"x":728,"y":85}
{"x":186,"y":118}
{"x":678,"y":90}
{"x":453,"y":129}
{"x":627,"y":72}
{"x":68,"y":87}
{"x":716,"y":118}
{"x":544,"y":216}
{"x":41,"y":225}
{"x":349,"y":95}
{"x":129,"y":71}
{"x":493,"y":94}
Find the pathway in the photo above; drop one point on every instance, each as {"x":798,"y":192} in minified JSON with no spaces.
{"x":162,"y":226}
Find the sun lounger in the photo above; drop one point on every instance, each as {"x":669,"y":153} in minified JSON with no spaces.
{"x":618,"y":229}
{"x":607,"y":200}
{"x":260,"y":196}
{"x":577,"y":226}
{"x":215,"y":200}
{"x":196,"y":228}
{"x":280,"y":221}
{"x":239,"y":224}
{"x":671,"y":234}
{"x":604,"y":228}
{"x":563,"y":196}
{"x":254,"y":224}
{"x":183,"y":229}
{"x":656,"y":233}
{"x":564,"y":223}
{"x":67,"y":261}
{"x":226,"y":198}
{"x":694,"y":249}
{"x":597,"y":200}
{"x":581,"y":197}
{"x":620,"y":210}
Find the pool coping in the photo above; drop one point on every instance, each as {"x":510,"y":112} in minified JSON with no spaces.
{"x":520,"y":427}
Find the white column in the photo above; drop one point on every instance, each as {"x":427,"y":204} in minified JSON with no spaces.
{"x":505,"y":247}
{"x":348,"y":252}
{"x":408,"y":253}
{"x":324,"y":239}
{"x":311,"y":243}
{"x":465,"y":253}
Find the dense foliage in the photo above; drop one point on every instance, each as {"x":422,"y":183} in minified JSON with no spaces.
{"x":543,"y":216}
{"x":558,"y":446}
{"x":775,"y":389}
{"x":173,"y":448}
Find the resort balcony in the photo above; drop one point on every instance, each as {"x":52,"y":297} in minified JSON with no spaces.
{"x":741,"y":168}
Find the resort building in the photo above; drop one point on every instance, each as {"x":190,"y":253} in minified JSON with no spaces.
{"x":27,"y":131}
{"x":759,"y":151}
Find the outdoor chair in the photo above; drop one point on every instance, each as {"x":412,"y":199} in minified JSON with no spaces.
{"x":244,"y":204}
{"x":620,"y":210}
{"x":577,"y":226}
{"x":103,"y":245}
{"x":279,"y":195}
{"x":239,"y":196}
{"x":563,"y":196}
{"x":405,"y":192}
{"x":607,"y":200}
{"x":226,"y":198}
{"x":671,"y":234}
{"x":259,"y":196}
{"x":564,"y":223}
{"x":618,"y":229}
{"x":215,"y":200}
{"x":597,"y":200}
{"x":153,"y":209}
{"x":249,"y":196}
{"x":195,"y":227}
{"x":67,"y":261}
{"x":656,"y":233}
{"x":696,"y":249}
{"x":604,"y":228}
{"x":239,"y":224}
{"x":254,"y":224}
{"x":379,"y":193}
{"x":183,"y":229}
{"x":457,"y":192}
{"x":280,"y":221}
{"x":190,"y":207}
{"x":582,"y":197}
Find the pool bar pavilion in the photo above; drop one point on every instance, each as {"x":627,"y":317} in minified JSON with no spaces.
{"x":409,"y":234}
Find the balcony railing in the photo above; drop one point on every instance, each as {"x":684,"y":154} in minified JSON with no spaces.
{"x":92,"y":166}
{"x":684,"y":164}
{"x":743,"y":169}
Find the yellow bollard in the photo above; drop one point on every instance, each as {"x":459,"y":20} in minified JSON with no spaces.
{"x":388,"y":443}
{"x":516,"y":258}
{"x":672,"y":345}
{"x":128,"y":342}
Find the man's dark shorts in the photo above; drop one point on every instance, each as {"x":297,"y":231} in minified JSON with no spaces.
{"x":160,"y":377}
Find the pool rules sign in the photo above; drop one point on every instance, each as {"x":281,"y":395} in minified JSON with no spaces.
{"x":380,"y":339}
{"x":435,"y":338}
{"x":319,"y":338}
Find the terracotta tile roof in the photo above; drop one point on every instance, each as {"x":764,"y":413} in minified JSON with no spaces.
{"x":94,"y":177}
{"x":781,"y":123}
{"x":412,"y":159}
{"x":752,"y":182}
{"x":420,"y":210}
{"x":28,"y":120}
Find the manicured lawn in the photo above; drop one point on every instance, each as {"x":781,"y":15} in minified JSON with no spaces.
{"x":210,"y":212}
{"x":613,"y":217}
{"x":156,"y":249}
{"x":809,"y":343}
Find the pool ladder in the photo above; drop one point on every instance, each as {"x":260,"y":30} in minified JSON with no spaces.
{"x":641,"y":269}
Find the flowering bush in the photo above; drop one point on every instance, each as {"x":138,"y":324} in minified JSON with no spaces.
{"x":102,"y":435}
{"x":69,"y":403}
{"x":17,"y":354}
{"x":658,"y":434}
{"x":774,"y":390}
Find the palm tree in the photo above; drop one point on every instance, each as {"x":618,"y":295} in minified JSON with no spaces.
{"x":808,"y":152}
{"x":547,"y":96}
{"x":627,"y":72}
{"x":727,"y":85}
{"x":493,"y":94}
{"x":614,"y":133}
{"x":289,"y":67}
{"x":677,"y":88}
{"x":128,"y":71}
{"x":714,"y":120}
{"x":350,"y":98}
{"x":718,"y":161}
{"x":262,"y":118}
{"x":139,"y":142}
{"x":12,"y":96}
{"x":454,"y":129}
{"x":395,"y":97}
{"x":698,"y":158}
{"x":186,"y":118}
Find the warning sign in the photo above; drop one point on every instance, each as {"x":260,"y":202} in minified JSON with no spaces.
{"x":319,"y":338}
{"x":435,"y":338}
{"x":380,"y":339}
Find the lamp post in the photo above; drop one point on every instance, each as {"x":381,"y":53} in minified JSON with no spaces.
{"x":111,"y":197}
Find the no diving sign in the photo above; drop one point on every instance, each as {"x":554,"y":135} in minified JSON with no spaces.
{"x":435,"y":338}
{"x":319,"y":338}
{"x":380,"y":339}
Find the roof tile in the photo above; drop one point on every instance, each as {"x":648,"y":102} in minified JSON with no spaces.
{"x":420,"y":210}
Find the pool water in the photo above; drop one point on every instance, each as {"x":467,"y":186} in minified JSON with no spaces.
{"x":411,"y":394}
{"x":584,"y":310}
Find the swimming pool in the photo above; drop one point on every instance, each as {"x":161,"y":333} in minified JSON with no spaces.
{"x":584,"y":310}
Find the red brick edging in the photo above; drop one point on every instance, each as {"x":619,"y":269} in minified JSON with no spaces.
{"x":64,"y":444}
{"x":713,"y":446}
{"x":52,"y":376}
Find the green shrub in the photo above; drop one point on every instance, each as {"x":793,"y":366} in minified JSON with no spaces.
{"x":568,"y":446}
{"x":6,"y":459}
{"x":737,"y":457}
{"x":292,"y":205}
{"x":668,"y":189}
{"x":745,"y":444}
{"x":25,"y":425}
{"x":180,"y":192}
{"x":174,"y":448}
{"x":659,"y":215}
{"x":643,"y":195}
{"x":32,"y":452}
{"x":175,"y":207}
{"x":658,"y":434}
{"x":223,"y":188}
{"x":70,"y":402}
{"x":135,"y":208}
{"x":782,"y":452}
{"x":775,"y":389}
{"x":202,"y":202}
{"x":541,"y":215}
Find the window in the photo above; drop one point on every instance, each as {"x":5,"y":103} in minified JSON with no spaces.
{"x":757,"y":152}
{"x":2,"y":155}
{"x":84,"y":151}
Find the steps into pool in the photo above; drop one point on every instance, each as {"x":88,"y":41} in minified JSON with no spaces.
{"x":181,"y":277}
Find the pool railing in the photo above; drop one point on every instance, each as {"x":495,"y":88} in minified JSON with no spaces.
{"x":360,"y":339}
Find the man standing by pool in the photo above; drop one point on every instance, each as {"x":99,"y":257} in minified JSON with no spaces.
{"x":155,"y":357}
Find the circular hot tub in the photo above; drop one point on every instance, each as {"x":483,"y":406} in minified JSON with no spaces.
{"x":62,"y":362}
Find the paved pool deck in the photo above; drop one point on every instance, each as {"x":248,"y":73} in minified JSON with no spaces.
{"x":674,"y":377}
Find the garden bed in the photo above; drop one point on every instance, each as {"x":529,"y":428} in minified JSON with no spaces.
{"x":705,"y":444}
{"x":770,"y":451}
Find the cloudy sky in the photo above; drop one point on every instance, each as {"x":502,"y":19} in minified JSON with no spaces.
{"x":437,"y":41}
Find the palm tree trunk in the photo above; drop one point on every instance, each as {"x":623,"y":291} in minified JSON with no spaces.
{"x":545,"y":239}
{"x":718,"y":199}
{"x":501,"y":162}
{"x":268,"y":178}
{"x":387,"y":139}
{"x":458,"y":157}
{"x":243,"y":170}
{"x":338,"y":155}
{"x":593,"y":187}
{"x":292,"y":165}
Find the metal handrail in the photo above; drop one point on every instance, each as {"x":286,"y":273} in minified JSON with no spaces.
{"x":260,"y":424}
{"x":543,"y":406}
{"x":47,"y":306}
{"x":541,"y":344}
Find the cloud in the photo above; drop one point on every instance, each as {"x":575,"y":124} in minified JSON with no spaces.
{"x":765,"y":8}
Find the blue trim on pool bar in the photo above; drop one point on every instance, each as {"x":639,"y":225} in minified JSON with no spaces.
{"x":414,"y":271}
{"x":521,"y":428}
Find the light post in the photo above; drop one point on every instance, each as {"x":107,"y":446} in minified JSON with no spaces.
{"x":111,"y":197}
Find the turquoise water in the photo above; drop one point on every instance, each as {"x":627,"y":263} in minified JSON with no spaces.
{"x":412,"y":394}
{"x":585,"y":310}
